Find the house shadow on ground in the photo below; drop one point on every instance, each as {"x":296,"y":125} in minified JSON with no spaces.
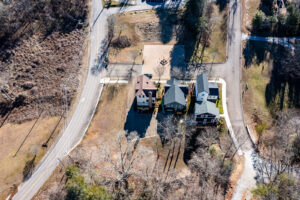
{"x":138,"y":121}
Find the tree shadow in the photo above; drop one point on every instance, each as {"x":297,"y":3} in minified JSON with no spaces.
{"x":138,"y":121}
{"x":256,"y":52}
{"x":282,"y":90}
{"x":190,"y":145}
{"x":221,"y":4}
{"x":168,"y":20}
{"x":172,"y":27}
{"x":28,"y":168}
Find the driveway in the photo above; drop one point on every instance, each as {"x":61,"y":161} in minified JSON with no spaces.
{"x":78,"y":123}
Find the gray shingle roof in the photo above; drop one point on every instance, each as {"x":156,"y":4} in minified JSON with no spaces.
{"x":206,"y":107}
{"x":173,"y":81}
{"x":202,"y":83}
{"x":212,"y":85}
{"x":174,"y":94}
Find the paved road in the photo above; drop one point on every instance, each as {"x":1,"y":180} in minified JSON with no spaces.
{"x":77,"y":126}
{"x":230,"y":71}
{"x":75,"y":130}
{"x":79,"y":122}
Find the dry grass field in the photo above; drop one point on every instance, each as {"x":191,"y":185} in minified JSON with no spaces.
{"x":11,"y":137}
{"x":152,"y":27}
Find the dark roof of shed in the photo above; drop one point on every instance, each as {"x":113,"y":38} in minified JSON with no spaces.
{"x":202,"y":83}
{"x":174,"y":94}
{"x":212,"y":85}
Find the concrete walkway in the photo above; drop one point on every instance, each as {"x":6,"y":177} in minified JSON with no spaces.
{"x":284,"y":41}
{"x":226,"y":116}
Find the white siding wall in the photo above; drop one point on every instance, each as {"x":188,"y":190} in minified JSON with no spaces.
{"x":142,"y":100}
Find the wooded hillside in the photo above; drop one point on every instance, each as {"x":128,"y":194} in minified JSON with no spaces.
{"x":41,"y":48}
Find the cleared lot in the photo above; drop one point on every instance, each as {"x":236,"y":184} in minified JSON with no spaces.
{"x":167,"y":27}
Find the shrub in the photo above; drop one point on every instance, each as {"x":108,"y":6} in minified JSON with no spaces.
{"x":77,"y":188}
{"x":121,"y":42}
{"x":222,"y":125}
{"x":71,"y":171}
{"x":212,"y":150}
{"x":261,"y":128}
{"x":258,"y":20}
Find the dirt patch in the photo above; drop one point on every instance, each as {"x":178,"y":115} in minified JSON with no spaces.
{"x":250,"y":7}
{"x":153,"y":56}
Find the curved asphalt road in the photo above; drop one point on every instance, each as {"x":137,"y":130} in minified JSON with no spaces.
{"x":76,"y":128}
{"x":230,"y":71}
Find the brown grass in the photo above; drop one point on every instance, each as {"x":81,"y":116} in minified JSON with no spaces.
{"x":110,"y":115}
{"x":235,"y":175}
{"x":217,"y":50}
{"x":249,"y":8}
{"x":146,"y":28}
{"x":11,"y":136}
{"x":110,"y":118}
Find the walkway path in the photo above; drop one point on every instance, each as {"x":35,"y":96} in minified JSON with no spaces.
{"x":284,"y":41}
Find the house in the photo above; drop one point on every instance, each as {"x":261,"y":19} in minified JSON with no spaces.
{"x":206,"y":90}
{"x":174,"y":81}
{"x":145,"y":92}
{"x":213,"y":92}
{"x":174,"y":98}
{"x":207,"y":93}
{"x":201,"y":87}
{"x":206,"y":113}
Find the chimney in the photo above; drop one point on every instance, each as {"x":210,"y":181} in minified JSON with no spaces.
{"x":150,"y":99}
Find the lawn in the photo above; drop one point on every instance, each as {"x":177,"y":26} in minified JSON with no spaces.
{"x":219,"y":100}
{"x":267,"y":93}
{"x":112,"y":115}
{"x":254,"y":98}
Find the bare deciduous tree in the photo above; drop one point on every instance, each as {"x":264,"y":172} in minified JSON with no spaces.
{"x":278,"y":154}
